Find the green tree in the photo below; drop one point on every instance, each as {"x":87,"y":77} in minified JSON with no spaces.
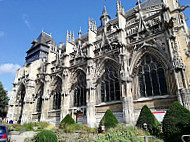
{"x":109,"y":120}
{"x":3,"y":100}
{"x":176,"y":123}
{"x":147,"y":117}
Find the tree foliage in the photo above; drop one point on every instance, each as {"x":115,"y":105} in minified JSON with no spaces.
{"x":176,"y":123}
{"x":109,"y":120}
{"x":3,"y":100}
{"x":147,"y":117}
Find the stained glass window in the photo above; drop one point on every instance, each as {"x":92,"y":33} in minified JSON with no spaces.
{"x":151,"y":77}
{"x":110,"y":87}
{"x":80,"y":90}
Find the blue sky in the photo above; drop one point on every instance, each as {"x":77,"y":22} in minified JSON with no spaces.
{"x":21,"y":21}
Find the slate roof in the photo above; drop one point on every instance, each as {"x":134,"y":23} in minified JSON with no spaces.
{"x":43,"y":39}
{"x":145,"y":4}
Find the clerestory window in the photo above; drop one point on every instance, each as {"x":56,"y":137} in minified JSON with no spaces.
{"x":151,"y":76}
{"x":110,"y":86}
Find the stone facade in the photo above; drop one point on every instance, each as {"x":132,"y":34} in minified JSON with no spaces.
{"x":139,"y":57}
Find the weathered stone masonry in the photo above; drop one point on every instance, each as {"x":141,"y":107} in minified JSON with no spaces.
{"x":139,"y":57}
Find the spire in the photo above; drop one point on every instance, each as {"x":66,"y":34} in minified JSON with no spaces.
{"x":104,"y":13}
{"x":139,"y":4}
{"x":104,"y":17}
{"x":80,"y":32}
{"x":67,"y":37}
{"x":120,"y":9}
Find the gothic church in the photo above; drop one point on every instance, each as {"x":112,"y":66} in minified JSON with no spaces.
{"x":142,"y":56}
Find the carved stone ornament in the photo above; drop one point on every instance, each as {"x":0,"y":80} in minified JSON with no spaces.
{"x":178,"y":63}
{"x":65,"y":72}
{"x":91,"y":68}
{"x":188,"y":49}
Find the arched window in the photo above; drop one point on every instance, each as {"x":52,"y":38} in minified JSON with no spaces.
{"x":57,"y":94}
{"x":39,"y":104}
{"x":21,"y":96}
{"x":39,"y":99}
{"x":80,"y":90}
{"x":57,"y":101}
{"x":151,"y":77}
{"x":110,"y":87}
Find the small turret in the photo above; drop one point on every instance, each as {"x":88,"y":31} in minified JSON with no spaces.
{"x":104,"y":17}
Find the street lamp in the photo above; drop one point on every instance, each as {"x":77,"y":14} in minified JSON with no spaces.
{"x":145,"y":126}
{"x":145,"y":137}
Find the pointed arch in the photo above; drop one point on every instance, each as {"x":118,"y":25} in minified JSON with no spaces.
{"x":108,"y":80}
{"x":136,"y":58}
{"x":56,"y":91}
{"x":79,"y":87}
{"x":39,"y":94}
{"x":21,"y":93}
{"x":149,"y":69}
{"x":75,"y":73}
{"x":106,"y":60}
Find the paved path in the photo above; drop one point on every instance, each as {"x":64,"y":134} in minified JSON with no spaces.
{"x":22,"y":136}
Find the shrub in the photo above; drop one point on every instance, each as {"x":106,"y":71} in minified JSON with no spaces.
{"x":121,"y":133}
{"x":147,"y":117}
{"x":46,"y":136}
{"x":28,"y":126}
{"x":109,"y":120}
{"x":42,"y":125}
{"x":176,"y":122}
{"x":75,"y":128}
{"x":77,"y":138}
{"x":68,"y":120}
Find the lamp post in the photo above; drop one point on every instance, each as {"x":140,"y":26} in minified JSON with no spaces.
{"x":145,"y":137}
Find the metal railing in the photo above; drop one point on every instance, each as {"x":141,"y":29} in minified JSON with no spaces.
{"x":185,"y":136}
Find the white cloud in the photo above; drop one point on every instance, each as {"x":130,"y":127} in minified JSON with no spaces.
{"x":25,"y":18}
{"x":9,"y":68}
{"x":1,"y":32}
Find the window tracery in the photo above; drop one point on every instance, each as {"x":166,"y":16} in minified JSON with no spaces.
{"x":110,"y":86}
{"x":151,"y":77}
{"x":80,"y":90}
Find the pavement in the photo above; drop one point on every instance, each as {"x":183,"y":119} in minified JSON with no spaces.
{"x":19,"y":137}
